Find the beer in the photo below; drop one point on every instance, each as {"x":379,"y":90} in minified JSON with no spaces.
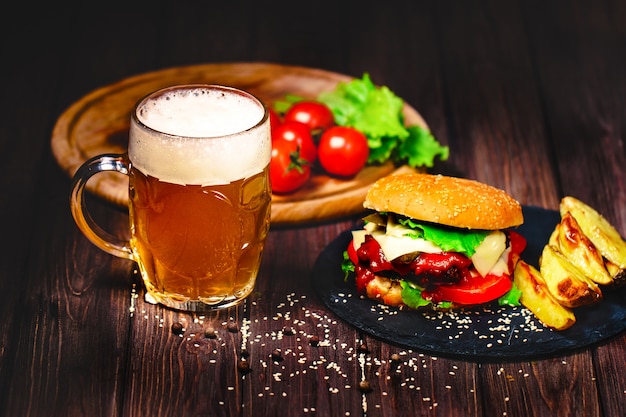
{"x":199,"y":196}
{"x":195,"y":242}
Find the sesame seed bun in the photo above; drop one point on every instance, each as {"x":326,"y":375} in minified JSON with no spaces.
{"x":450,"y":201}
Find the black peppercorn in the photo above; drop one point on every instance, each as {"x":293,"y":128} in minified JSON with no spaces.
{"x":276,"y":355}
{"x":364,"y":387}
{"x":177,"y":328}
{"x":243,"y":366}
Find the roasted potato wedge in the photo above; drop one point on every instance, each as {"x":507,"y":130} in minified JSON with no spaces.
{"x":538,"y":299}
{"x":579,"y":250}
{"x":618,"y":274}
{"x":567,"y":284}
{"x":603,"y":235}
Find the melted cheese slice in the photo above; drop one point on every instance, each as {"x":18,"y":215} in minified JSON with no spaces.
{"x":395,"y":245}
{"x":491,"y":255}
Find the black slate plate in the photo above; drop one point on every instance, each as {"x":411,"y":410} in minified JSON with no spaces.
{"x":495,"y":333}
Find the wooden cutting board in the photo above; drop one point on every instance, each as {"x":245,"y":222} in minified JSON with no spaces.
{"x":98,"y":123}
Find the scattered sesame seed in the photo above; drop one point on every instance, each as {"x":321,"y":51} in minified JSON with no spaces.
{"x":403,"y":366}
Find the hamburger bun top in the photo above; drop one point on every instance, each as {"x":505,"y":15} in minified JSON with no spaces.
{"x":450,"y":201}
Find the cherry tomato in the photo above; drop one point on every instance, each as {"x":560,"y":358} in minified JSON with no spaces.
{"x":475,"y":290}
{"x":288,"y":170}
{"x":299,"y":134}
{"x":274,"y":119}
{"x":343,"y":151}
{"x":316,"y":115}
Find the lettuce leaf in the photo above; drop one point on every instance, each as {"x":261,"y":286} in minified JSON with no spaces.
{"x":281,"y":106}
{"x":455,"y":240}
{"x":448,"y":238}
{"x":511,"y":298}
{"x":347,"y":266}
{"x":421,"y":148}
{"x":377,"y":113}
{"x":412,"y":296}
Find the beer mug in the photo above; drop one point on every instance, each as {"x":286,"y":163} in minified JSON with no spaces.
{"x":199,"y":195}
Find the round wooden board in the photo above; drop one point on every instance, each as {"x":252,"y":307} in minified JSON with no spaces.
{"x":98,"y":123}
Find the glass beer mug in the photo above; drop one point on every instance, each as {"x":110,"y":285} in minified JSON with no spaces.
{"x":199,"y":195}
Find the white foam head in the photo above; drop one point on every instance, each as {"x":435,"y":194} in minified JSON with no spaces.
{"x":200,"y":135}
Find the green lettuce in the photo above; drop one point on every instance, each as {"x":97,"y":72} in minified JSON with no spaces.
{"x":282,"y":105}
{"x":346,"y":265}
{"x":377,"y":113}
{"x":447,"y":238}
{"x":511,"y":298}
{"x":420,"y":148}
{"x":412,"y":296}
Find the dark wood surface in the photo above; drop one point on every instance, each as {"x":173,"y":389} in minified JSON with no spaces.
{"x":529,"y":95}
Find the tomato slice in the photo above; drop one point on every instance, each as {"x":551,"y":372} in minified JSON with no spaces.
{"x":352,"y":253}
{"x":473,"y":290}
{"x":518,"y":242}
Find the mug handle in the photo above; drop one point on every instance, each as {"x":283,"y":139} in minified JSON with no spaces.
{"x":98,"y":236}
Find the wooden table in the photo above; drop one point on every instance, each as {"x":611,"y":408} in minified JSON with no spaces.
{"x":529,"y":96}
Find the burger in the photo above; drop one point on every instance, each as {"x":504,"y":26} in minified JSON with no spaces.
{"x":437,"y":241}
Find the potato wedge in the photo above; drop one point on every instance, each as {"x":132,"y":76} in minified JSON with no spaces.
{"x":538,"y":299}
{"x":567,"y":284}
{"x":579,"y":250}
{"x":603,"y":235}
{"x":618,"y":274}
